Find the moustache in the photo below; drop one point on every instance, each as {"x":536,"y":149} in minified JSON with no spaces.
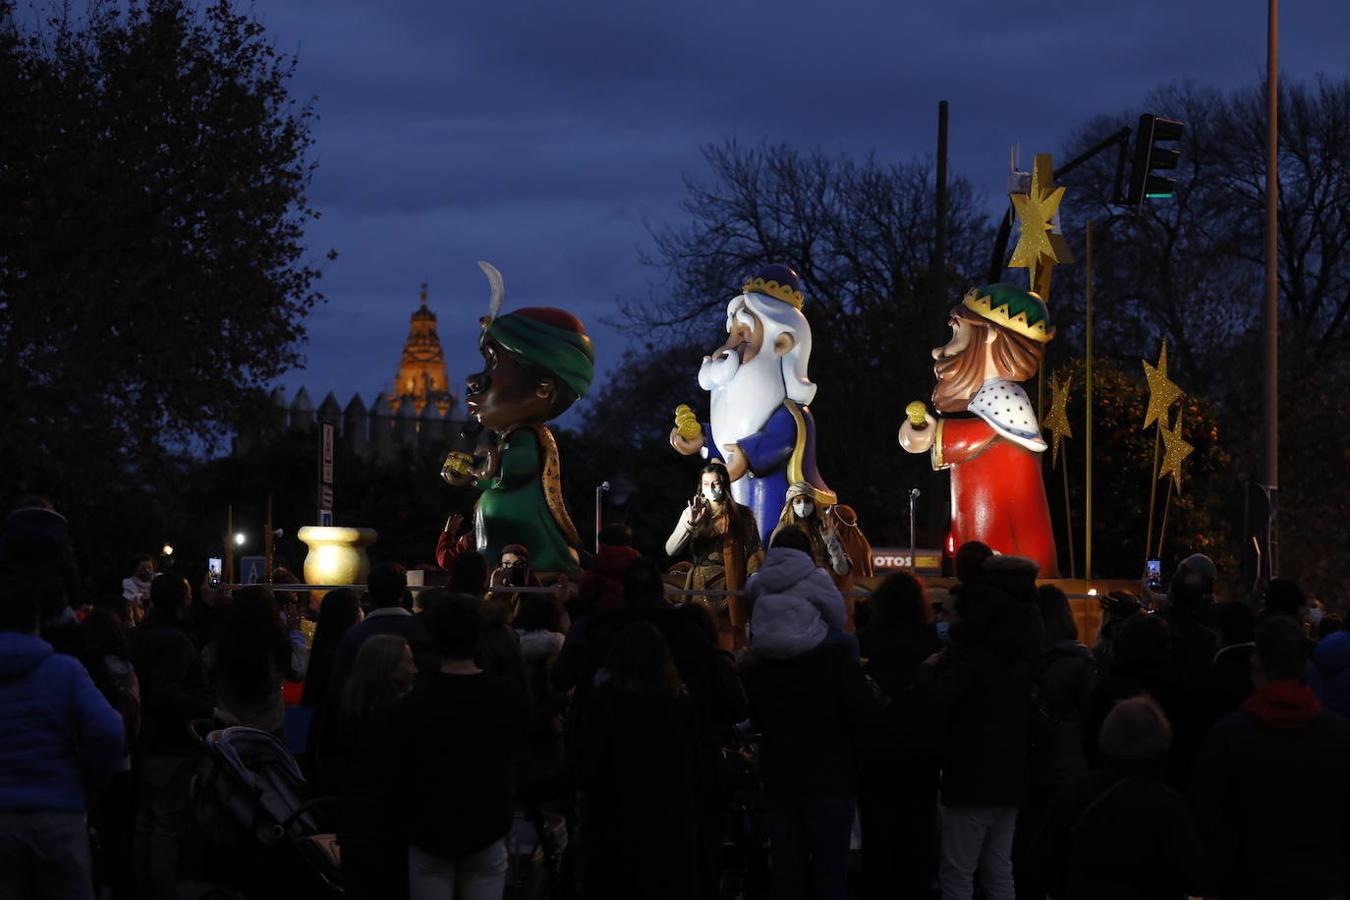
{"x":718,"y":370}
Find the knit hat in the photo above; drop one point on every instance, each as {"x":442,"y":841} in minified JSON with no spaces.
{"x":551,"y":339}
{"x":1135,"y":730}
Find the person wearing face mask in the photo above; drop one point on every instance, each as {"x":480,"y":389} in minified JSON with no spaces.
{"x":136,"y":586}
{"x":837,"y":543}
{"x":722,"y":539}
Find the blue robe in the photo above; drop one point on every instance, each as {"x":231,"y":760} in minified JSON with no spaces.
{"x":781,"y":452}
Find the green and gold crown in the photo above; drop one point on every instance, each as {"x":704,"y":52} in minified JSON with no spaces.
{"x":770,"y":288}
{"x":1012,"y":307}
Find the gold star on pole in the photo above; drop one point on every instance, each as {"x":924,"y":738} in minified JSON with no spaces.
{"x":1039,"y":246}
{"x":1057,"y":419}
{"x":1162,"y":392}
{"x":1175,"y":450}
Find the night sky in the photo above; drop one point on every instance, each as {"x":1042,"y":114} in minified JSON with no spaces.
{"x":545,"y":137}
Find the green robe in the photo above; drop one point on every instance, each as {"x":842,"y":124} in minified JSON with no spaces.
{"x":515,"y":506}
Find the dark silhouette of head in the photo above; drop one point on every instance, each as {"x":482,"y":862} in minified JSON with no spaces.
{"x":970,"y":558}
{"x":643,"y":587}
{"x":898,"y":602}
{"x":469,"y":574}
{"x":1136,"y":730}
{"x":385,"y":585}
{"x":1285,"y":598}
{"x":616,"y":534}
{"x":640,"y":662}
{"x":792,"y":538}
{"x":456,"y":625}
{"x":1056,"y":614}
{"x":1281,"y":650}
{"x":169,"y":596}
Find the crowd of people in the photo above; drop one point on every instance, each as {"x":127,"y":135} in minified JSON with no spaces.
{"x":931,"y":741}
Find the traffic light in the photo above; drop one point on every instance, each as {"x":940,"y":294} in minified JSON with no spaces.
{"x":1150,"y":158}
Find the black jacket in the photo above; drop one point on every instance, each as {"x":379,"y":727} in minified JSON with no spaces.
{"x":173,"y":684}
{"x":813,"y":710}
{"x":1274,"y":807}
{"x":641,"y":773}
{"x":911,"y":723}
{"x":986,"y":702}
{"x":1119,"y":832}
{"x":457,"y":734}
{"x":1066,"y":682}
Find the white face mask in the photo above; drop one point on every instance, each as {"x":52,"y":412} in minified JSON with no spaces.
{"x":712,"y":492}
{"x":803,"y":508}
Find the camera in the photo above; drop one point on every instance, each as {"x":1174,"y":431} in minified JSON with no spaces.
{"x":515,"y":574}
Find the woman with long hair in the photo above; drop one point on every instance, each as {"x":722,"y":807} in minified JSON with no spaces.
{"x":340,"y":610}
{"x":248,"y":661}
{"x":374,"y":863}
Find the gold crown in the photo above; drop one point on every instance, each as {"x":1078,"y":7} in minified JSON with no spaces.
{"x":1003,"y":315}
{"x":773,"y":289}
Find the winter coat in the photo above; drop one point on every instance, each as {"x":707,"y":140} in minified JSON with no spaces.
{"x":814,"y":709}
{"x":910,"y":725}
{"x":987,"y":703}
{"x":1066,"y":681}
{"x":173,"y":688}
{"x":641,"y":773}
{"x":60,"y":738}
{"x":1274,"y":827}
{"x":1119,"y":808}
{"x":1329,"y":674}
{"x":793,"y":604}
{"x":601,"y":588}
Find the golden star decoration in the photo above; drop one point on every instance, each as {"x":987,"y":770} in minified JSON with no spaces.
{"x":1175,"y":451}
{"x":1162,"y":392}
{"x":1038,"y":245}
{"x":1057,"y":419}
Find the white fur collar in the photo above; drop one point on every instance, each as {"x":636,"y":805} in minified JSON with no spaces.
{"x":1005,"y":406}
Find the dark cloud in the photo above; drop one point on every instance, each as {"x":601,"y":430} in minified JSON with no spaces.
{"x":542,"y":136}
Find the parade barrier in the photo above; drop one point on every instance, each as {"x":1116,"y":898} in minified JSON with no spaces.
{"x":1087,"y":610}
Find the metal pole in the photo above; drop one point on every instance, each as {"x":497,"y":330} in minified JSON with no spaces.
{"x":1087,"y":420}
{"x":913,"y":563}
{"x":1272,"y":398}
{"x":940,"y":243}
{"x":599,"y":503}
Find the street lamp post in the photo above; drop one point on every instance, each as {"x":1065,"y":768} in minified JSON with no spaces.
{"x":599,"y":503}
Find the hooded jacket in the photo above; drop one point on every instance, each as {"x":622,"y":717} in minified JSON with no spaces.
{"x":794,"y":604}
{"x":1269,"y":834}
{"x":1329,"y":674}
{"x":60,"y":736}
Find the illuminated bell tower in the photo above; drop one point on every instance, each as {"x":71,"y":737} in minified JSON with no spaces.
{"x":421,"y":372}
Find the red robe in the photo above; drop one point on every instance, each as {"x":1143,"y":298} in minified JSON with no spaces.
{"x":998,"y":496}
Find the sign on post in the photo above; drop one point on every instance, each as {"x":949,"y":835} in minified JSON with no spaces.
{"x":326,"y":473}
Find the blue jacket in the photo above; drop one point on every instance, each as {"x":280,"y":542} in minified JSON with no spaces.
{"x":1329,"y":674}
{"x":58,"y":736}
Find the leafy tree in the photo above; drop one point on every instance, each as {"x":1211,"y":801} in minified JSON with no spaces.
{"x":153,"y":178}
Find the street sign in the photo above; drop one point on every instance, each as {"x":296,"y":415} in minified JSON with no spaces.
{"x":326,"y":434}
{"x":252,"y":569}
{"x":894,"y":559}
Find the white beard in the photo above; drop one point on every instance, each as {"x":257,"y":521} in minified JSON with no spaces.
{"x":742,"y":397}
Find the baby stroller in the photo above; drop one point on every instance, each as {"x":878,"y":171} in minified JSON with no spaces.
{"x":249,"y":800}
{"x":744,"y":865}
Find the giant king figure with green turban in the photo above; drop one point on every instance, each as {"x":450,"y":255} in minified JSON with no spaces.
{"x":538,"y":361}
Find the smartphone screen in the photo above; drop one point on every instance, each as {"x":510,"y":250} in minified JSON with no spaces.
{"x":1153,"y":574}
{"x":213,"y":569}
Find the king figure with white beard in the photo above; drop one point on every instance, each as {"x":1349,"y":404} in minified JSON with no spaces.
{"x":760,"y":422}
